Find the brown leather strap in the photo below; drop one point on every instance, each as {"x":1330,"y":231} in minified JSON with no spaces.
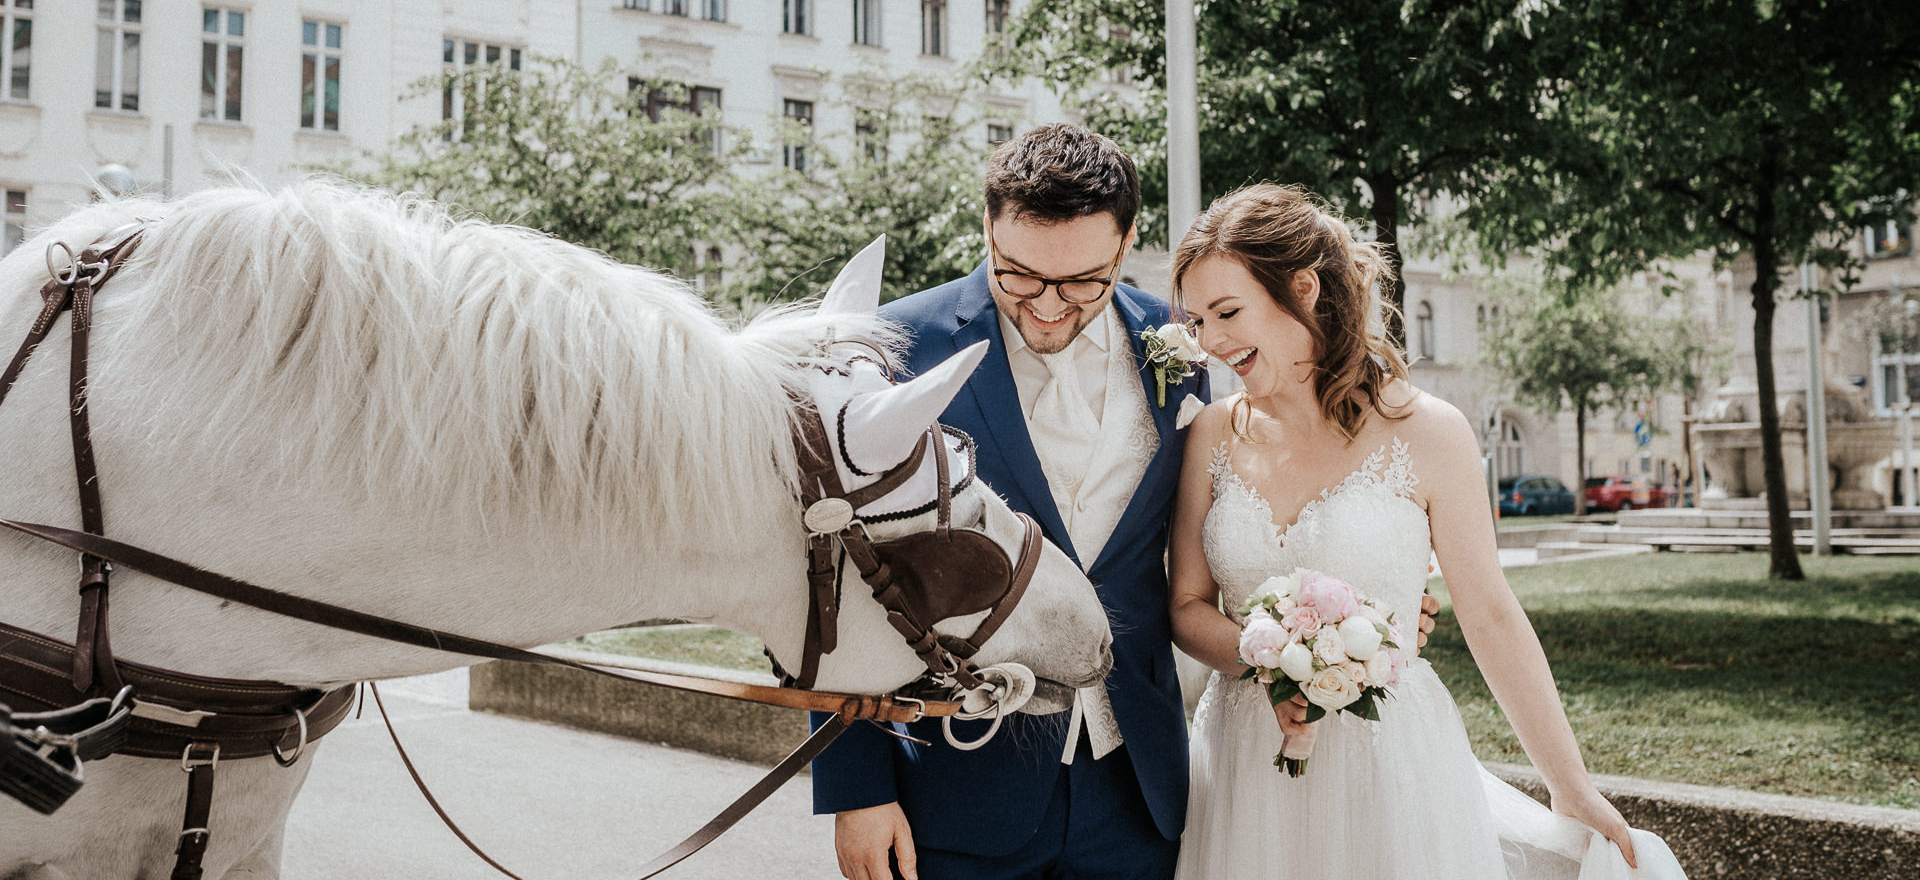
{"x":884,"y":708}
{"x":1022,"y":576}
{"x":708,"y":833}
{"x":199,"y":761}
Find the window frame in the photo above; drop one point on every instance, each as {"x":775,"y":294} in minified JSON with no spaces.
{"x":13,"y":223}
{"x":14,"y":19}
{"x":453,"y":52}
{"x":794,"y":156}
{"x":934,"y":39}
{"x":227,"y":90}
{"x":122,"y":37}
{"x":796,"y":17}
{"x":867,"y":18}
{"x":313,"y":80}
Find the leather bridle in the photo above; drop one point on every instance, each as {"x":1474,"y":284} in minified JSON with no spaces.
{"x":920,"y":579}
{"x":151,"y":712}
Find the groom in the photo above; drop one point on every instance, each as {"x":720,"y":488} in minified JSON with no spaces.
{"x":1070,"y":431}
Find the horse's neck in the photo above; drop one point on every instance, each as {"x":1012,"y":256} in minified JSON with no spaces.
{"x":513,"y":582}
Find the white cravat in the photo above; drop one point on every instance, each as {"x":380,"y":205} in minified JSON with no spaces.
{"x":1065,"y":429}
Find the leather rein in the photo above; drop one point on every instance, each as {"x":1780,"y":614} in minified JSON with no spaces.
{"x":146,"y":711}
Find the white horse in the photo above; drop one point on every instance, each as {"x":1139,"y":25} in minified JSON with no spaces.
{"x":356,"y":399}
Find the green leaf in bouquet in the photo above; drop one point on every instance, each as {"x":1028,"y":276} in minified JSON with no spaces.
{"x":1315,"y":713}
{"x":1281,"y":690}
{"x":1249,"y":672}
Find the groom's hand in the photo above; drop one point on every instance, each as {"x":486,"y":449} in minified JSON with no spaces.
{"x":1429,"y":607}
{"x":862,"y":839}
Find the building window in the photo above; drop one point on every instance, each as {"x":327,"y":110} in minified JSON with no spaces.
{"x":1423,"y":329}
{"x":319,"y":76}
{"x":116,"y":72}
{"x":796,"y":152}
{"x":1889,"y":239}
{"x":933,"y":27}
{"x":16,"y":46}
{"x":16,"y":221}
{"x":712,"y":272}
{"x":998,"y":133}
{"x":798,"y":17}
{"x":223,"y":35}
{"x":686,"y":99}
{"x":997,"y":16}
{"x":867,"y":134}
{"x":461,"y":56}
{"x":866,"y":22}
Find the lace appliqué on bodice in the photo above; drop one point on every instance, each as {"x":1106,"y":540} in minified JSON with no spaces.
{"x":1367,"y":530}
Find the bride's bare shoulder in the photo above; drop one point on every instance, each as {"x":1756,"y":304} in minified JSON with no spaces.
{"x":1426,"y":420}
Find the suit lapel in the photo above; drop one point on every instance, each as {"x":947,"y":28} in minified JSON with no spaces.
{"x":998,"y":401}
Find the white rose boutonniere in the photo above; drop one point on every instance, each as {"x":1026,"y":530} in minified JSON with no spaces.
{"x":1172,"y":351}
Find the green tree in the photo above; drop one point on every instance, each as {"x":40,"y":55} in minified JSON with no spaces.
{"x":1761,"y":132}
{"x":1374,"y":106}
{"x":567,"y":150}
{"x":911,"y":170}
{"x":1554,"y":348}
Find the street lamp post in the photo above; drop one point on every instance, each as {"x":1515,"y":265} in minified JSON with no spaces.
{"x":1183,"y":121}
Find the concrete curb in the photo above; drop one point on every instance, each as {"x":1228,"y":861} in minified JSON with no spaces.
{"x":715,"y":725}
{"x":1744,"y":835}
{"x":1715,"y":832}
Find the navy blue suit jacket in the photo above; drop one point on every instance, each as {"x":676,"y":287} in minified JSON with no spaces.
{"x":989,"y":801}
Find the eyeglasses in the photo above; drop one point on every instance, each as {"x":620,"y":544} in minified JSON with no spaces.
{"x":1077,"y":291}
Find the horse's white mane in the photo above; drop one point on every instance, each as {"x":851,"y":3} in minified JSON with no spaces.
{"x":345,"y":336}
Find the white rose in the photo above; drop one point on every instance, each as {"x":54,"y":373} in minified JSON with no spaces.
{"x":1373,"y":614}
{"x":1278,"y":586}
{"x":1362,"y":640}
{"x":1282,"y":605}
{"x":1330,"y":647}
{"x":1296,"y":661}
{"x":1187,"y":348}
{"x":1332,"y":689}
{"x":1380,"y":670}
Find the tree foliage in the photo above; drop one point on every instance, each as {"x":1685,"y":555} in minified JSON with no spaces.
{"x":1761,"y":132}
{"x":1555,"y":348}
{"x":1375,"y":106}
{"x":570,"y":151}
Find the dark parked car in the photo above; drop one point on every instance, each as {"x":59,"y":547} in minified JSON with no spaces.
{"x":1530,"y":494}
{"x":1625,"y":492}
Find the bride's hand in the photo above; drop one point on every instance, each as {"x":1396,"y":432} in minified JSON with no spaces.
{"x":1592,"y":809}
{"x":1293,"y":716}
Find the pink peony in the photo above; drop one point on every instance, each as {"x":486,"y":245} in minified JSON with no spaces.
{"x":1303,"y":622}
{"x":1261,"y":641}
{"x":1328,"y":595}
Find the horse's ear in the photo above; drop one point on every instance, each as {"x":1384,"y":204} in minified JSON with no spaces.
{"x":857,"y":289}
{"x":882,"y":426}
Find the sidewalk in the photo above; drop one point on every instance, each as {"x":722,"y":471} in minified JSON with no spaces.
{"x":549,"y":802}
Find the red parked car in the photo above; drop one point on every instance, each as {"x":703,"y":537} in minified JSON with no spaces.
{"x":1625,"y":492}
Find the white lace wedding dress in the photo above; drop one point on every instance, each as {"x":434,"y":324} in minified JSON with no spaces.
{"x":1400,"y":798}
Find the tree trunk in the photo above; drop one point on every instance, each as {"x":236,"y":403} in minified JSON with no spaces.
{"x":1580,"y":457}
{"x":1783,"y":562}
{"x":1385,"y":213}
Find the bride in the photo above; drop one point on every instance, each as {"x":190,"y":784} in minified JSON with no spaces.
{"x":1331,"y":461}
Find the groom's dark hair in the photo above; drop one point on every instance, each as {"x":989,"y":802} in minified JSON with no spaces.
{"x":1062,"y":172}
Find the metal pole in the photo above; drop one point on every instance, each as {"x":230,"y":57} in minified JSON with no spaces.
{"x":1906,"y":445}
{"x":1816,"y":422}
{"x":1183,"y":121}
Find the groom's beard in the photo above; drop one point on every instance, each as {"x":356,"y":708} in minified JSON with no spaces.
{"x":1045,"y":338}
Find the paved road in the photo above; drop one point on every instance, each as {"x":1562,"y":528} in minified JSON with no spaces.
{"x":550,"y":802}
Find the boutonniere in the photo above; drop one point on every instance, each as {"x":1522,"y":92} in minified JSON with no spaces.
{"x":1173,"y":352}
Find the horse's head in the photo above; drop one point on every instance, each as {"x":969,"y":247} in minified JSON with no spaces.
{"x":951,"y":556}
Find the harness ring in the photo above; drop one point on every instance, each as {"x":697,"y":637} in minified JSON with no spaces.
{"x":286,"y":760}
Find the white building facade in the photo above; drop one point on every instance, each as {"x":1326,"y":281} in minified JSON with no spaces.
{"x":184,"y":95}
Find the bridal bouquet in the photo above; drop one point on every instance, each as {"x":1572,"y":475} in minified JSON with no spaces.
{"x":1311,"y":633}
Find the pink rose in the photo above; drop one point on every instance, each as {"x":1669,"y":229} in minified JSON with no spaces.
{"x":1381,"y":671}
{"x":1303,"y":622}
{"x":1261,"y":641}
{"x":1328,"y":595}
{"x":1329,"y":647}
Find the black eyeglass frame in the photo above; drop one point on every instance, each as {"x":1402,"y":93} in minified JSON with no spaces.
{"x":1106,"y":284}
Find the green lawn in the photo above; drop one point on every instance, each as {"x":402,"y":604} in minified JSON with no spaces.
{"x":1676,"y":666}
{"x":1695,"y":668}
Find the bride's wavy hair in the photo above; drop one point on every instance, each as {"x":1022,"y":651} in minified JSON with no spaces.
{"x":1275,"y":231}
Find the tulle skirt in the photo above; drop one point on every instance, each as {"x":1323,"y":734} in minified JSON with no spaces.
{"x":1398,"y":799}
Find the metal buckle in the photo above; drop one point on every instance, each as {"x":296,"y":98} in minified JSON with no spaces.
{"x":286,"y":760}
{"x":71,"y":273}
{"x":187,"y":762}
